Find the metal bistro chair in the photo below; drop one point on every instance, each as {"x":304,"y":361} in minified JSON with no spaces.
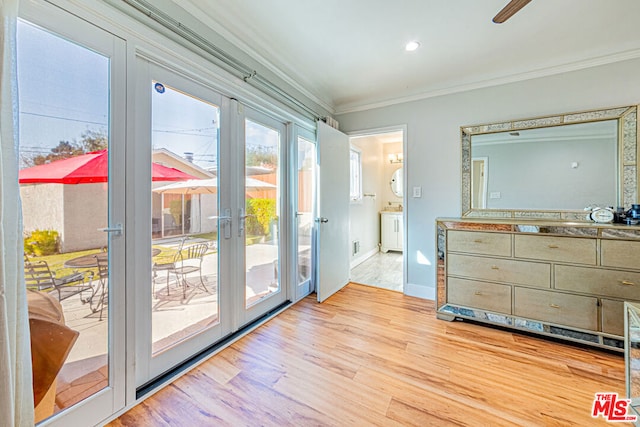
{"x":165,"y":266}
{"x":101,"y":289}
{"x":38,"y":275}
{"x":187,"y":261}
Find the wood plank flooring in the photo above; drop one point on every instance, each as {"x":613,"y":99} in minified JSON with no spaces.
{"x":370,"y":356}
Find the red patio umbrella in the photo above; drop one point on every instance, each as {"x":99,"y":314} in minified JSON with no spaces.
{"x":88,"y":168}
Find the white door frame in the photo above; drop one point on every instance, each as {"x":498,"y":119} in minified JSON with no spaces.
{"x":304,"y":288}
{"x":150,"y":366}
{"x":405,"y":187}
{"x":248,"y":314}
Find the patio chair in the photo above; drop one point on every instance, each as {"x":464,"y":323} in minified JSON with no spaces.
{"x":101,"y":289}
{"x":187,"y":261}
{"x":39,"y":276}
{"x":165,"y":266}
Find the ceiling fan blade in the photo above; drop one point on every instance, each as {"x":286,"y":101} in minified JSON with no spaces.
{"x":509,"y":10}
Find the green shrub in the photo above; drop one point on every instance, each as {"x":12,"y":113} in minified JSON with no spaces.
{"x":42,"y":242}
{"x":260,"y":214}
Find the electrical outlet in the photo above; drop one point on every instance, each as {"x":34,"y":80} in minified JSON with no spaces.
{"x":417,"y":192}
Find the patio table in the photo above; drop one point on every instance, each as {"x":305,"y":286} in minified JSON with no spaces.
{"x":88,"y":261}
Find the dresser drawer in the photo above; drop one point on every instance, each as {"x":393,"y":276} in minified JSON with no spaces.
{"x":612,"y":317}
{"x":482,"y":295}
{"x":554,"y":307}
{"x":478,"y":242}
{"x":607,"y":283}
{"x":557,"y":249}
{"x":620,"y":253}
{"x":500,"y":270}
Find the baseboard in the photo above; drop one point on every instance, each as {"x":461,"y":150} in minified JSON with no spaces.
{"x":420,"y":291}
{"x":362,"y":258}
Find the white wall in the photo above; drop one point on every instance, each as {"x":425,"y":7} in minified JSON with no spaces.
{"x":364,"y":218}
{"x":512,"y":167}
{"x":433,"y":155}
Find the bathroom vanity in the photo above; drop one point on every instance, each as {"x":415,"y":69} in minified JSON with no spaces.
{"x":391,"y":231}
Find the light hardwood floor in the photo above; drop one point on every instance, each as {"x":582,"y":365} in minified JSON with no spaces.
{"x":370,"y":356}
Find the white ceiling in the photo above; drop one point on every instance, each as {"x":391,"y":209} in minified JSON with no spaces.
{"x":349,"y":54}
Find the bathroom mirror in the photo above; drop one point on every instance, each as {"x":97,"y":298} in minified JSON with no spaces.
{"x":550,"y":167}
{"x":396,"y":182}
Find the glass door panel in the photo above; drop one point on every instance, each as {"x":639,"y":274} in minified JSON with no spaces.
{"x":305,"y":208}
{"x":73,"y":265}
{"x":184,"y":294}
{"x":260,"y":215}
{"x":262,"y":207}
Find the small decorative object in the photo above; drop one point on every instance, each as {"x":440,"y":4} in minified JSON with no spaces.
{"x":634,"y":212}
{"x":619,"y":215}
{"x":632,"y":216}
{"x":159,"y":87}
{"x":602,"y":215}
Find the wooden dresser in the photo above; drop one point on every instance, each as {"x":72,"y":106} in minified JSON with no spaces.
{"x":560,"y":279}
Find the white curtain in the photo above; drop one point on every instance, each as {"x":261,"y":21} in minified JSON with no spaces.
{"x":16,"y":394}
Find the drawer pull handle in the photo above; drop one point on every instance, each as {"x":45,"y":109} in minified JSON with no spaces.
{"x":627,"y":283}
{"x":554,"y":306}
{"x":553,"y":246}
{"x":477,"y":241}
{"x":495,"y":267}
{"x":478,"y":293}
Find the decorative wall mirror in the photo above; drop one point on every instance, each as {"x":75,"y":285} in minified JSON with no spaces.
{"x":396,"y":182}
{"x":550,"y":167}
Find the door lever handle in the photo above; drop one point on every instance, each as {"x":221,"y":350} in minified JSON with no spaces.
{"x":117,"y":230}
{"x":322,"y":220}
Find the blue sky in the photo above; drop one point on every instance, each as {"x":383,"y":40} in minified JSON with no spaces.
{"x":64,"y":92}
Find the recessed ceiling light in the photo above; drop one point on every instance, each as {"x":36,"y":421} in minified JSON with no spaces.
{"x":411,"y":46}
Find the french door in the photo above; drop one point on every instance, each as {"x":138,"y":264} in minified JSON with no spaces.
{"x":210,"y":260}
{"x":72,"y":149}
{"x":258,"y":197}
{"x":183,"y":295}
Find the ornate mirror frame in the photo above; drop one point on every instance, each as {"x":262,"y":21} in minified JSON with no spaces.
{"x":627,"y":159}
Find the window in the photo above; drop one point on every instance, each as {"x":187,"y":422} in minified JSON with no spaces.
{"x":355,"y":161}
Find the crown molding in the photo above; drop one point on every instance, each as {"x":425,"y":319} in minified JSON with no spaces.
{"x":543,"y":72}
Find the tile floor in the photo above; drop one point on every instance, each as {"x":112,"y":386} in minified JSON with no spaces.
{"x":383,"y":270}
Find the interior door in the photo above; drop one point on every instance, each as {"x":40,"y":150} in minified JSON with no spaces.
{"x":333,"y":207}
{"x":183,"y":293}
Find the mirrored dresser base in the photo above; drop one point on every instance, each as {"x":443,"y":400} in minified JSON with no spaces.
{"x":567,"y":280}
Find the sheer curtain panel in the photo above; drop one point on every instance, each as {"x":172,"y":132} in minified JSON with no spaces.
{"x":16,"y":394}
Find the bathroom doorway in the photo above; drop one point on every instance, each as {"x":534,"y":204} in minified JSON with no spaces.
{"x":377,"y":209}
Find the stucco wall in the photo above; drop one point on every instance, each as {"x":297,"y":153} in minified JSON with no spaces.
{"x":86,"y":208}
{"x":42,"y":207}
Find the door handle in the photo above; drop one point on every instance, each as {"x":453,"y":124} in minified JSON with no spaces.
{"x":242,"y":216}
{"x":117,"y":230}
{"x":322,"y":220}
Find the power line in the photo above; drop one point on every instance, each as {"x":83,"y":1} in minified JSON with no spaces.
{"x":62,"y":118}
